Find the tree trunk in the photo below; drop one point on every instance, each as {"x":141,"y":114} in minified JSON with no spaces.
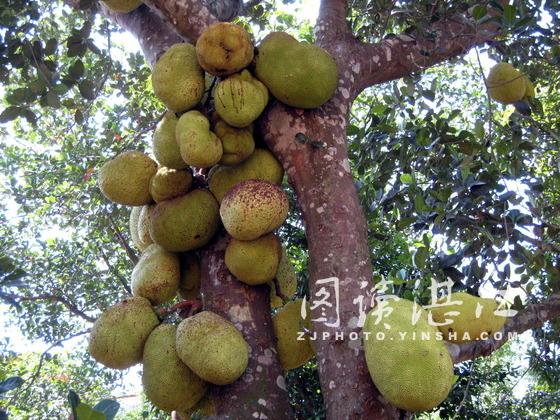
{"x":318,"y":169}
{"x":261,"y":392}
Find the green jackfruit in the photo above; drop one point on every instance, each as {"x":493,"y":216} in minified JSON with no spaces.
{"x":186,"y":222}
{"x":117,"y":337}
{"x":125,"y":179}
{"x":240,"y":99}
{"x":224,"y":48}
{"x":205,"y":408}
{"x":189,"y":285}
{"x":298,"y":74}
{"x":212,"y":347}
{"x":408,"y":363}
{"x":144,"y":221}
{"x":156,"y":275}
{"x":253,"y":208}
{"x":286,"y":276}
{"x":164,"y":143}
{"x":177,"y":78}
{"x":505,"y":83}
{"x":170,"y":183}
{"x":254,"y":262}
{"x":199,"y":146}
{"x":168,"y":383}
{"x":288,"y":323}
{"x":260,"y":165}
{"x":472,"y":317}
{"x":133,"y":225}
{"x":122,"y":6}
{"x":238,"y":143}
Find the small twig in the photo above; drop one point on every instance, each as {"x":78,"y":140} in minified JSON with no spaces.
{"x":184,"y":309}
{"x":53,"y":298}
{"x":122,"y":280}
{"x":129,"y":251}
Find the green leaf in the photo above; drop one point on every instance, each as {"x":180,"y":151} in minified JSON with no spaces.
{"x":51,"y":46}
{"x":53,"y":100}
{"x":10,"y":114}
{"x":509,"y":15}
{"x":10,"y":384}
{"x":76,"y":70}
{"x":479,"y":131}
{"x":407,"y":179}
{"x":85,"y":412}
{"x":479,"y":11}
{"x":420,"y":257}
{"x":87,"y":89}
{"x":109,"y":408}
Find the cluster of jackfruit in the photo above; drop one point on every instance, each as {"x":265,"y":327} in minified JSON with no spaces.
{"x":179,"y":206}
{"x":405,"y":351}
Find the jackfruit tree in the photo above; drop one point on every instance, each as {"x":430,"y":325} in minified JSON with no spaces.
{"x":188,"y":208}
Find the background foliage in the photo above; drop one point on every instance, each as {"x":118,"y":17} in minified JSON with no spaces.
{"x":452,"y":184}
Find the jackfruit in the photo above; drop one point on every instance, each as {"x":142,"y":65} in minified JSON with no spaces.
{"x":505,"y":83}
{"x":237,"y":143}
{"x":260,"y":165}
{"x":189,"y":284}
{"x":117,"y":337}
{"x":253,"y":208}
{"x":205,"y":408}
{"x":168,"y":383}
{"x":122,"y":6}
{"x":298,"y":74}
{"x":199,"y":146}
{"x":186,"y":222}
{"x":286,"y":276}
{"x":254,"y":262}
{"x":224,"y":48}
{"x":240,"y":99}
{"x":170,"y":183}
{"x":471,"y":317}
{"x":212,"y":348}
{"x":177,"y":78}
{"x":144,"y":221}
{"x":288,"y":323}
{"x":164,"y":143}
{"x":275,"y":300}
{"x":408,"y":363}
{"x":156,"y":275}
{"x":133,"y":225}
{"x":529,"y":89}
{"x":125,"y":179}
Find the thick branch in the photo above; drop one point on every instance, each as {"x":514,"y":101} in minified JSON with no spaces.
{"x":531,"y":317}
{"x":189,"y":17}
{"x":52,"y":298}
{"x":261,"y":391}
{"x":395,"y":57}
{"x":153,"y":34}
{"x":331,"y":24}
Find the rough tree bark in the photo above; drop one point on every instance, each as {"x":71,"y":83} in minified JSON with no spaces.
{"x":320,"y":173}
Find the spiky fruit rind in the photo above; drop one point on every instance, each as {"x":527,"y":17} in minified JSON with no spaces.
{"x":156,"y":275}
{"x":144,"y":221}
{"x":164,"y":144}
{"x":253,"y":208}
{"x":475,"y":319}
{"x":133,"y":225}
{"x":189,"y":284}
{"x":254,"y":262}
{"x":125,"y":179}
{"x":212,"y":348}
{"x":238,"y":143}
{"x":122,"y":6}
{"x":260,"y":165}
{"x":505,"y":83}
{"x":288,"y":323}
{"x":186,"y":222}
{"x":286,"y":276}
{"x":298,"y":74}
{"x":117,"y":337}
{"x":408,"y":363}
{"x":170,"y":183}
{"x":240,"y":99}
{"x":205,"y":407}
{"x":529,"y":89}
{"x":168,"y":383}
{"x":177,"y":78}
{"x":224,"y":48}
{"x":199,"y":146}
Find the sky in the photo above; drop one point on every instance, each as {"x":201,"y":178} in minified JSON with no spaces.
{"x":306,"y":9}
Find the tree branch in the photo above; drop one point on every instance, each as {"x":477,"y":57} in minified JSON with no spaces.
{"x":331,"y":23}
{"x":189,"y":17}
{"x":53,"y":298}
{"x":533,"y":316}
{"x":395,"y":57}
